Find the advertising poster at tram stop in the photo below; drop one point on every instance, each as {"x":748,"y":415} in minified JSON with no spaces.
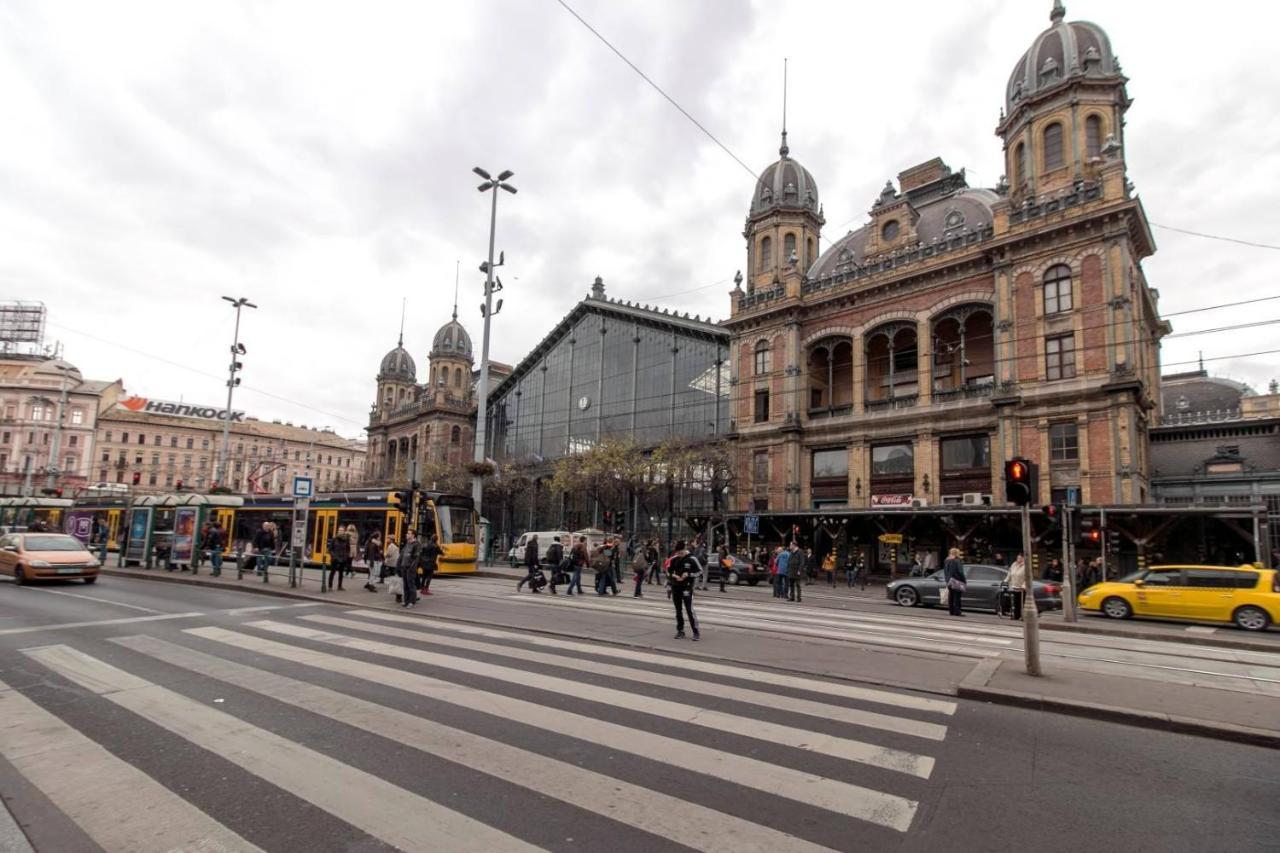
{"x":80,"y":524}
{"x":139,"y":534}
{"x":184,"y":534}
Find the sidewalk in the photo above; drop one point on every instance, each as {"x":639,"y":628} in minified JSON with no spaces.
{"x":1226,"y":715}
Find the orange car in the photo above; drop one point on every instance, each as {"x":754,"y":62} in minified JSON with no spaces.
{"x":36,"y":556}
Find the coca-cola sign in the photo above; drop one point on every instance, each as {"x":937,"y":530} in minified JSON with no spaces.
{"x":891,"y":500}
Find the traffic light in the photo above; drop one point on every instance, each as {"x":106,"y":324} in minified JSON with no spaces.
{"x":608,"y":517}
{"x":1019,"y":481}
{"x":1090,"y":534}
{"x":137,"y":477}
{"x":403,"y":497}
{"x":179,"y":486}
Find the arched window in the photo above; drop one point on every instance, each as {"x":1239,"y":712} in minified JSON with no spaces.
{"x":455,"y":437}
{"x":457,"y":376}
{"x":809,"y":256}
{"x":762,"y":364}
{"x":766,"y":253}
{"x":1053,"y":147}
{"x":1057,"y":289}
{"x":1019,"y":165}
{"x":1093,"y":136}
{"x":788,"y":248}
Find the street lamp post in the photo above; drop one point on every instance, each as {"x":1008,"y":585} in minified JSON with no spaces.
{"x":237,"y":350}
{"x":52,"y":482}
{"x":490,"y":184}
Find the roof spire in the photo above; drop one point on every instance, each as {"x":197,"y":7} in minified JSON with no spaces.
{"x":1059,"y":11}
{"x":784,"y":150}
{"x":403,"y":302}
{"x":457,"y":265}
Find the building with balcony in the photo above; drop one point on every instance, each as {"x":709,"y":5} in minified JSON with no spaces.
{"x":959,"y":326}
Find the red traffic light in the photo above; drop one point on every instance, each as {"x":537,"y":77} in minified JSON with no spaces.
{"x":137,"y":478}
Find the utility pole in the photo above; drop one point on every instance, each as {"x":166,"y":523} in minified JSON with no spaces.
{"x":51,"y":482}
{"x":237,"y":350}
{"x":1068,"y":571}
{"x":1030,"y":615}
{"x":482,"y":404}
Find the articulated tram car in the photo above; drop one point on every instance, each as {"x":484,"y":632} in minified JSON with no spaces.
{"x":450,"y":517}
{"x":19,"y":513}
{"x":92,"y":518}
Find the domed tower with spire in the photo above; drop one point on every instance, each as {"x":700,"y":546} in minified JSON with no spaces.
{"x":783,"y":223}
{"x":397,"y":379}
{"x":451,"y":361}
{"x":1063,"y":119}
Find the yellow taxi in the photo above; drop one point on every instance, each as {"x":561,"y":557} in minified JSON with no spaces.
{"x":1247,"y":595}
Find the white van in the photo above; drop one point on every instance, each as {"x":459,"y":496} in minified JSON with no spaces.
{"x":545,"y":538}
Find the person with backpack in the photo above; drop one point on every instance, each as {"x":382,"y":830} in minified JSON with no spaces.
{"x":429,"y":561}
{"x":555,"y":556}
{"x":578,"y":559}
{"x":530,"y":564}
{"x":602,"y":563}
{"x":373,"y":559}
{"x":339,"y":556}
{"x":682,"y":574}
{"x":639,"y":568}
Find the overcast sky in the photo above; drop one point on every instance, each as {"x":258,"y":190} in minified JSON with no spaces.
{"x":316,"y":158}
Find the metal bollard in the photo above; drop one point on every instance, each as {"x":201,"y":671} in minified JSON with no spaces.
{"x":240,"y":565}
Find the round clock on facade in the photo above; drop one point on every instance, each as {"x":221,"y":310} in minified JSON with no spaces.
{"x":584,"y":402}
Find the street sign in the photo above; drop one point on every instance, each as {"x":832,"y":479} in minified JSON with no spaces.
{"x":301,"y":504}
{"x":891,"y":538}
{"x":1073,"y":496}
{"x":751,"y":524}
{"x":303,"y":487}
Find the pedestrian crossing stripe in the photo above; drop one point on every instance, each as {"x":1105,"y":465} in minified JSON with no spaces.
{"x":823,"y":710}
{"x":87,"y":783}
{"x":847,"y":749}
{"x":387,"y":812}
{"x":843,"y":798}
{"x":676,"y":819}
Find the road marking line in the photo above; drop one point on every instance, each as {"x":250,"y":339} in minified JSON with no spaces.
{"x":385,"y":811}
{"x":91,"y":598}
{"x":823,"y":710}
{"x":866,"y":804}
{"x":813,"y":685}
{"x":671,"y":817}
{"x":116,"y":804}
{"x":832,"y":745}
{"x":239,"y":611}
{"x":125,"y":621}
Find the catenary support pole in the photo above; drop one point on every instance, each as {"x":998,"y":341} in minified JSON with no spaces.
{"x":1030,"y":616}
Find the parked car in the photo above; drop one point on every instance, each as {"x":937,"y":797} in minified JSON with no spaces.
{"x":38,"y":556}
{"x":1249,"y":596}
{"x":984,"y":583}
{"x":742,"y":571}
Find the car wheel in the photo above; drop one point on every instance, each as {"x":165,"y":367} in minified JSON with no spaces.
{"x":906,"y":596}
{"x":1251,"y":618}
{"x":734,"y":579}
{"x":1116,"y":608}
{"x":93,"y":579}
{"x":19,"y":576}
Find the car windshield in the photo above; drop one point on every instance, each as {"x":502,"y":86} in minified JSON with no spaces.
{"x":52,"y":543}
{"x":1132,"y":576}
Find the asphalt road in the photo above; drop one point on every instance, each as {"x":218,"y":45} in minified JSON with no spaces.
{"x":140,"y":716}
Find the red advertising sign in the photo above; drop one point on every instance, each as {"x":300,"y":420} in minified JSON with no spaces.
{"x":891,"y":500}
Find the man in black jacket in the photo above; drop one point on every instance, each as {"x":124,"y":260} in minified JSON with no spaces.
{"x":430,"y":561}
{"x":409,"y":556}
{"x":530,"y":564}
{"x":555,"y":554}
{"x":953,"y":576}
{"x":684,"y":569}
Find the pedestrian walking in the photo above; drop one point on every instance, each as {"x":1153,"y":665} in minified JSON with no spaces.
{"x":654,"y":556}
{"x":829,"y":568}
{"x":429,"y":561}
{"x":682,"y":571}
{"x":373,"y":559}
{"x":408,"y":566}
{"x":726,"y":564}
{"x":795,"y":572}
{"x":602,"y":562}
{"x":390,"y":559}
{"x":264,"y":545}
{"x":784,"y":565}
{"x":214,"y":541}
{"x":578,"y":559}
{"x":699,"y":553}
{"x":1017,"y":583}
{"x":339,"y":555}
{"x":953,"y":574}
{"x":554,"y":560}
{"x":530,"y":564}
{"x":353,"y":548}
{"x":639,"y":568}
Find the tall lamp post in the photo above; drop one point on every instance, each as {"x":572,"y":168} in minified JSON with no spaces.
{"x":490,"y":184}
{"x":53,"y":470}
{"x":237,"y":350}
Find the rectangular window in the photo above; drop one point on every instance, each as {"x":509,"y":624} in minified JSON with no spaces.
{"x":77,"y":416}
{"x":762,"y":361}
{"x":204,"y":444}
{"x":966,"y":453}
{"x":73,"y":441}
{"x":6,"y":438}
{"x":155,"y":458}
{"x":108,"y":435}
{"x":142,"y":439}
{"x":1060,"y":357}
{"x":173,"y":441}
{"x":106,"y":457}
{"x":151,"y":480}
{"x":893,"y":460}
{"x":1064,"y":442}
{"x":190,"y":442}
{"x":760,"y":468}
{"x":156,"y":440}
{"x":831,"y":464}
{"x":138,"y":459}
{"x":762,"y":406}
{"x":102,"y":475}
{"x":1057,"y":296}
{"x":37,"y":413}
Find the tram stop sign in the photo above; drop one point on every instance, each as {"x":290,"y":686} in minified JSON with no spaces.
{"x":751,"y":525}
{"x":303,"y":487}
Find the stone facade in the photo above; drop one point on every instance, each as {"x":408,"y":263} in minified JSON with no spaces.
{"x":960,"y":326}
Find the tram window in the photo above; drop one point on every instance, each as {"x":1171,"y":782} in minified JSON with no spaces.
{"x":367,"y":522}
{"x":455,"y":524}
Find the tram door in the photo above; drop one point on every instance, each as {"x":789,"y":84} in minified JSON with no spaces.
{"x":226,"y":519}
{"x":326,"y":526}
{"x":395,"y":521}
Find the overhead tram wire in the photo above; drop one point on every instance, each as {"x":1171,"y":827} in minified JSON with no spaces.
{"x":1216,"y":237}
{"x":200,"y":372}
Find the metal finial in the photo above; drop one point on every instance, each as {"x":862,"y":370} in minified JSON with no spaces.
{"x":457,"y":265}
{"x":1059,"y":11}
{"x":403,"y":301}
{"x":784,"y":150}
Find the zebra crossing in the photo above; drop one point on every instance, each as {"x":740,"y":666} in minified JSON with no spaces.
{"x":418,"y":735}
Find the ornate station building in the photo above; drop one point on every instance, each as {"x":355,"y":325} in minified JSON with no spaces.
{"x":959,"y":326}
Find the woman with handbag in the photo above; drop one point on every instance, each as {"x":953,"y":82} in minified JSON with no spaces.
{"x":953,"y":575}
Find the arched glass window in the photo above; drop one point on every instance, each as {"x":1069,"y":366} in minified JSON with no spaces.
{"x":1053,"y":147}
{"x":455,"y":437}
{"x":766,"y":253}
{"x":457,"y":376}
{"x":788,"y":248}
{"x":1093,"y":136}
{"x":1019,"y":165}
{"x":809,"y":256}
{"x":762,"y":365}
{"x":1057,"y":289}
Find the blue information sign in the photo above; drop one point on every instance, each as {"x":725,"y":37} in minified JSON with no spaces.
{"x":751,"y":524}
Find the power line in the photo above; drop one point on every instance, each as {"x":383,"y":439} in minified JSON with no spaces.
{"x":659,"y":90}
{"x":1223,"y":305}
{"x":1217,"y":237}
